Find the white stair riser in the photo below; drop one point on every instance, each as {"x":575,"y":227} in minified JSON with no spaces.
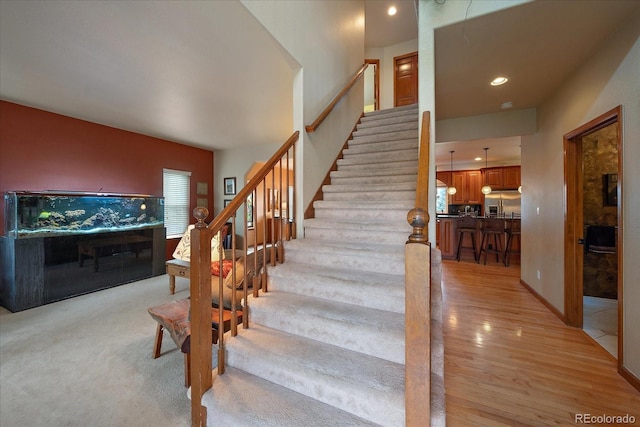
{"x":402,"y":144}
{"x":360,"y":172}
{"x":370,"y":187}
{"x":361,"y":214}
{"x":372,"y":195}
{"x":395,"y":238}
{"x":384,"y":137}
{"x":397,"y":127}
{"x":391,"y":299}
{"x":383,"y":114}
{"x":361,"y":338}
{"x":377,"y":264}
{"x":367,"y":403}
{"x":391,"y":179}
{"x":396,"y":167}
{"x":387,"y":121}
{"x":379,"y":157}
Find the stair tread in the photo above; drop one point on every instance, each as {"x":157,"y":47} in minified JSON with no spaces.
{"x":350,"y":314}
{"x":400,"y":227}
{"x":370,"y":279}
{"x":382,"y":291}
{"x":236,"y":391}
{"x":344,"y":378}
{"x":365,"y":248}
{"x":339,"y":323}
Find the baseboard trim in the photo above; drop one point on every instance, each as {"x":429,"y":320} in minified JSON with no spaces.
{"x":544,"y":302}
{"x":631,"y":379}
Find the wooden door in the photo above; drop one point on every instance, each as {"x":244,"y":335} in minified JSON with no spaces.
{"x":405,"y":76}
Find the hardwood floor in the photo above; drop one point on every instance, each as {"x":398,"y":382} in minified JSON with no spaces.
{"x":510,"y":362}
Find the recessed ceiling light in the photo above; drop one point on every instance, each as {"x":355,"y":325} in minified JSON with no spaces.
{"x":478,"y":159}
{"x":392,"y":11}
{"x":499,"y":81}
{"x":506,"y":105}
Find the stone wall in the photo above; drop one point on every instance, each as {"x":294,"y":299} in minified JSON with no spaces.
{"x":600,"y":157}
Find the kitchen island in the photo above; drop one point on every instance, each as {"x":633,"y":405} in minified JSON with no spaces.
{"x":447,"y":236}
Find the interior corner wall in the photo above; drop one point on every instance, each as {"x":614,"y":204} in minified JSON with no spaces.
{"x":386,"y":55}
{"x":327,"y":39}
{"x":608,"y":79}
{"x":40,"y":150}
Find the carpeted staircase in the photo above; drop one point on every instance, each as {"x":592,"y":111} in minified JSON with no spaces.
{"x":326,"y":343}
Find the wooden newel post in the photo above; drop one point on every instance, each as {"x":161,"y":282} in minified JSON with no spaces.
{"x":200,"y":294}
{"x":417,"y":321}
{"x":418,"y":218}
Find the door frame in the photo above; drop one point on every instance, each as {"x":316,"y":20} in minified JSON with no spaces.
{"x":574,"y":224}
{"x":376,"y":81}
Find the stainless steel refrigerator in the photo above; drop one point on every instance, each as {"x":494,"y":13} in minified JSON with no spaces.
{"x":502,"y":203}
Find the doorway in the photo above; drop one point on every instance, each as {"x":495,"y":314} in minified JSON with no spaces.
{"x":372,"y":85}
{"x":593,"y":226}
{"x":405,"y":79}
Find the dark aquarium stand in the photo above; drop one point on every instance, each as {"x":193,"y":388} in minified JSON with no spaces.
{"x":61,"y":245}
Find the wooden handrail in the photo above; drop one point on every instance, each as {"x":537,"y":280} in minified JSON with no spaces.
{"x":317,"y":122}
{"x":200,"y":282}
{"x":422,"y":189}
{"x":240,"y":198}
{"x":418,"y":296}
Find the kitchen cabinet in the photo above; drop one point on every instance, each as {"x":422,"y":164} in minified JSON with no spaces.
{"x":511,"y":177}
{"x":468,"y":185}
{"x":444,"y":177}
{"x":494,"y":177}
{"x":502,"y":178}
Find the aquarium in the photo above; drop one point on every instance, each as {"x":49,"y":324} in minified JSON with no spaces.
{"x":45,"y":214}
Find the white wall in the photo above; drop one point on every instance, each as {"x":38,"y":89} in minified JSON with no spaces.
{"x":386,"y":55}
{"x":609,"y":78}
{"x":327,"y":39}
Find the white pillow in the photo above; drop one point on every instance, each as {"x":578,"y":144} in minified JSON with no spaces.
{"x":183,"y":250}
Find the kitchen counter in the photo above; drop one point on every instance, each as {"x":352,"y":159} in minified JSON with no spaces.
{"x":447,"y":234}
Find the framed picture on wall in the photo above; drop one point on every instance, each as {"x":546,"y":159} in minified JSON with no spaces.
{"x":229,"y":186}
{"x":226,"y":202}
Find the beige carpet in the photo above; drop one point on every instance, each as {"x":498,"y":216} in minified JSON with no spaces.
{"x":86,"y":361}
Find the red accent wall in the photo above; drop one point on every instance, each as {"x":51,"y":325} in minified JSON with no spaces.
{"x":40,"y":150}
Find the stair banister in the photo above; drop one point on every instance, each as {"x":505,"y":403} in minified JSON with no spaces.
{"x":200,"y":279}
{"x":418,"y":297}
{"x":317,"y":122}
{"x":422,"y":189}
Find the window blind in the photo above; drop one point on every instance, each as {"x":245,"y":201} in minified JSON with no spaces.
{"x":175,"y":185}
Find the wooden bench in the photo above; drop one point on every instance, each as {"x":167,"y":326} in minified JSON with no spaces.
{"x":174,"y":317}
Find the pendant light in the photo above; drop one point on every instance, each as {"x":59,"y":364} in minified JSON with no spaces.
{"x":486,"y":189}
{"x":451,"y":190}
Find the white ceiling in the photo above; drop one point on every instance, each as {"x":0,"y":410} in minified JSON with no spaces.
{"x":185,"y":71}
{"x":190,"y":71}
{"x":382,"y":30}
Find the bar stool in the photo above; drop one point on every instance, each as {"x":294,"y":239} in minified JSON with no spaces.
{"x":466,"y":224}
{"x":513,"y":231}
{"x":491,"y":227}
